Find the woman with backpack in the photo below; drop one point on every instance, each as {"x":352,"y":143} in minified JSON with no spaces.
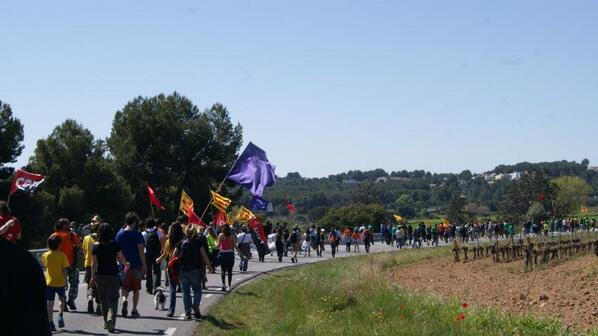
{"x":227,"y":244}
{"x":192,"y":257}
{"x":175,"y":235}
{"x":279,"y":243}
{"x":295,"y":243}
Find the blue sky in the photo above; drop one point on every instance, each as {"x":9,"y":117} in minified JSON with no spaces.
{"x":323,"y":86}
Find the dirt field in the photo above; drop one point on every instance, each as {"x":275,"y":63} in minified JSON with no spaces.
{"x":567,"y":291}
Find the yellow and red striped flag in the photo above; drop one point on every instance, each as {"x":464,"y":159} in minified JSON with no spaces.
{"x":220,"y":202}
{"x":186,"y":203}
{"x":244,"y":214}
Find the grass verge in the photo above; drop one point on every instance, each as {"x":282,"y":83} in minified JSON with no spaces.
{"x":354,"y":296}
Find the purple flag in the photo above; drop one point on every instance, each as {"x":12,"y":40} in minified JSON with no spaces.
{"x":253,"y":170}
{"x":259,"y":204}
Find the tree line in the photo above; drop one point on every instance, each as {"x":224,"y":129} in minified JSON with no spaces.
{"x":546,"y":189}
{"x":164,"y":141}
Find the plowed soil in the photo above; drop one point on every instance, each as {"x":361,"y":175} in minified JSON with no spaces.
{"x":567,"y":291}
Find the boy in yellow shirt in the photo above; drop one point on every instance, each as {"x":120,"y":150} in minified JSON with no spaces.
{"x":55,"y":263}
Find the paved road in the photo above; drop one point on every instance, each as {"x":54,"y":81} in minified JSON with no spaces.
{"x":154,"y":322}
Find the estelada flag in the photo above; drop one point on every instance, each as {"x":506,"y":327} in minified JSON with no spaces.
{"x":153,"y":199}
{"x":244,"y":214}
{"x":25,"y":181}
{"x":220,"y":202}
{"x":186,"y":203}
{"x":193,"y":218}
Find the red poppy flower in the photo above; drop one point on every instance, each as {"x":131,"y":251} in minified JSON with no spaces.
{"x":464,"y":305}
{"x":460,"y":317}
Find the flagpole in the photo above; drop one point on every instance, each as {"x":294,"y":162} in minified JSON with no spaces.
{"x":221,"y":184}
{"x":152,"y":207}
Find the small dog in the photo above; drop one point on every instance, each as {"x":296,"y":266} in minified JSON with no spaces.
{"x":159,"y":298}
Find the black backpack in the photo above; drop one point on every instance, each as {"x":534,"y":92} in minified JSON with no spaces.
{"x":294,"y":237}
{"x":189,"y":255}
{"x":152,"y":244}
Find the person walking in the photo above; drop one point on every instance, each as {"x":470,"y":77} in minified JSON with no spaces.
{"x":226,"y":246}
{"x":153,"y":248}
{"x":175,"y":235}
{"x":56,"y":264}
{"x":131,"y":243}
{"x":69,"y":244}
{"x":333,"y":239}
{"x":244,"y":243}
{"x":192,"y":257}
{"x":87,"y":245}
{"x":366,"y":239}
{"x":212,"y":240}
{"x":279,"y":243}
{"x":10,"y":228}
{"x":295,"y":243}
{"x":104,"y":273}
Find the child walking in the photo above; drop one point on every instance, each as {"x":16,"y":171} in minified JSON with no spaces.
{"x":56,"y":265}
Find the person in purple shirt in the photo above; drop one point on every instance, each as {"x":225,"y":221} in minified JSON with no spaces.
{"x":131,"y":243}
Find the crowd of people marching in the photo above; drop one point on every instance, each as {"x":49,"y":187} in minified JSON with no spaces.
{"x":179,"y":255}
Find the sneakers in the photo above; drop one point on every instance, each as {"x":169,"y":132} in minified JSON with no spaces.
{"x":170,"y":314}
{"x":188,"y":316}
{"x":224,"y":289}
{"x":90,"y":306}
{"x":52,"y":326}
{"x":60,"y":321}
{"x":71,"y":305}
{"x":135,"y":314}
{"x":124,"y":311}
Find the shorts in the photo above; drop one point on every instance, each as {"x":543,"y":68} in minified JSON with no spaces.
{"x":52,"y":291}
{"x":131,"y":279}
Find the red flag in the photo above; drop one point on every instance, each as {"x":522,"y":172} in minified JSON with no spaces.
{"x":153,"y":199}
{"x":257,"y":223}
{"x":290,"y":206}
{"x":193,"y":218}
{"x":220,"y":218}
{"x":25,"y":181}
{"x":541,"y":197}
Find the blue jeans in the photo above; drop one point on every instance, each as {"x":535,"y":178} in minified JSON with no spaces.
{"x":172,"y":290}
{"x":243,"y":263}
{"x":190,"y":279}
